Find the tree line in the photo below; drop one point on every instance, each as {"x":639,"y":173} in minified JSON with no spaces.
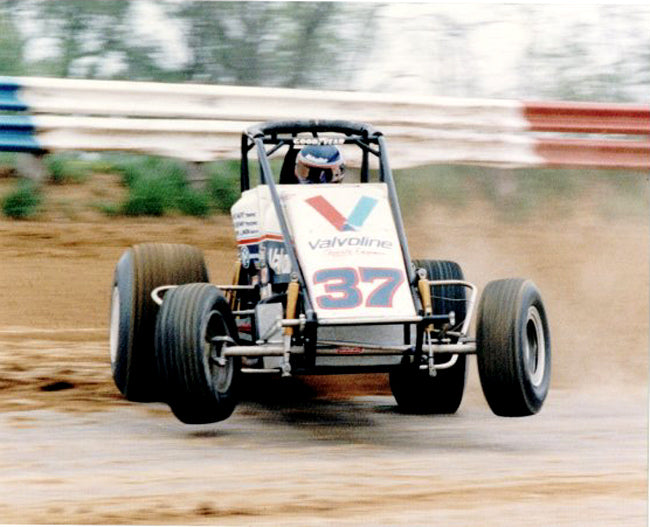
{"x":599,"y":53}
{"x":242,"y":43}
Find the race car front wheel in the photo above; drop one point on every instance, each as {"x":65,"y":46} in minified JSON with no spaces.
{"x":194,"y":325}
{"x":133,"y":312}
{"x":513,"y":347}
{"x":414,"y":389}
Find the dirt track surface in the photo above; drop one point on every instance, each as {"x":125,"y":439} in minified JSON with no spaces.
{"x":352,"y":462}
{"x":75,"y":452}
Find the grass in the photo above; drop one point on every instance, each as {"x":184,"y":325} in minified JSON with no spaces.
{"x":520,"y":194}
{"x":23,"y":202}
{"x":513,"y":192}
{"x":157,"y":186}
{"x":622,"y":194}
{"x":7,"y":160}
{"x":107,"y":208}
{"x":224,"y":185}
{"x":66,"y":168}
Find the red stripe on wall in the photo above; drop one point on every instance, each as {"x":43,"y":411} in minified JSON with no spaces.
{"x":595,"y":153}
{"x":588,"y":117}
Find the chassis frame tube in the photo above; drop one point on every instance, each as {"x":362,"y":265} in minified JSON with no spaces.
{"x":386,"y":176}
{"x":471,"y":303}
{"x":284,"y":227}
{"x":278,"y":351}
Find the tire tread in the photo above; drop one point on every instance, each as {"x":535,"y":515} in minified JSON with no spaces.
{"x":179,"y":347}
{"x":147,"y":266}
{"x":502,"y":375}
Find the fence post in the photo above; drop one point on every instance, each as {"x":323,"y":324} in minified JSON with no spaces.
{"x":32,"y":167}
{"x":197,"y":175}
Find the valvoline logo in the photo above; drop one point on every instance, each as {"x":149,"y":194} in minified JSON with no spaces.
{"x":353,"y":222}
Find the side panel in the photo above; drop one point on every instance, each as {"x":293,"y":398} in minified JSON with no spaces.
{"x":245,"y":214}
{"x":258,"y":235}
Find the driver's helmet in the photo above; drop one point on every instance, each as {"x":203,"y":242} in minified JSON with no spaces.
{"x":319,"y":164}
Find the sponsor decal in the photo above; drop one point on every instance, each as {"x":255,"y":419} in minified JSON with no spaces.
{"x":349,"y":350}
{"x":353,"y":222}
{"x":246,"y":224}
{"x":340,"y":286}
{"x":318,"y":141}
{"x":336,"y":242}
{"x":244,"y":256}
{"x":278,"y":259}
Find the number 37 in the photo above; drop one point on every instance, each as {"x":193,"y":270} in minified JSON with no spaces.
{"x":342,"y":291}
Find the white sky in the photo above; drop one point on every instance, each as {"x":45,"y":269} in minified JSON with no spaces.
{"x":153,"y":26}
{"x":407,"y":57}
{"x":496,"y":47}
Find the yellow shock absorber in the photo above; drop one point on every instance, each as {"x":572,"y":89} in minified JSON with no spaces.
{"x":425,"y":295}
{"x":292,"y":301}
{"x":231,"y":295}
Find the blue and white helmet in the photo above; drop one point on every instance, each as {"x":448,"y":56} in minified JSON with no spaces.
{"x":320,"y":164}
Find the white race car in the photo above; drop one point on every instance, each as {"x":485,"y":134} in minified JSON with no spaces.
{"x":324,"y":284}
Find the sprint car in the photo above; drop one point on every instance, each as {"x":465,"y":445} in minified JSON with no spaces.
{"x":324,"y":283}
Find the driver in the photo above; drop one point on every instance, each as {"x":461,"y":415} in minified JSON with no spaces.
{"x":319,"y":164}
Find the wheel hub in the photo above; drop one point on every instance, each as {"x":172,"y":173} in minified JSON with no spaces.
{"x":534,"y":347}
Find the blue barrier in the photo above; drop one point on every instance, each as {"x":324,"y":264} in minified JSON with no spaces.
{"x":9,"y":100}
{"x":17,"y":132}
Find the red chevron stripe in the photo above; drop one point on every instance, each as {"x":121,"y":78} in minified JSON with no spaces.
{"x":327,"y":211}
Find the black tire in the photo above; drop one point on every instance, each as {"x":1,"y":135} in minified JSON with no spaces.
{"x":415,"y":390}
{"x":513,"y":347}
{"x":139,"y":271}
{"x":196,"y":387}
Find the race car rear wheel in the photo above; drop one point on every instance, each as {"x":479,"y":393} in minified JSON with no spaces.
{"x":199,"y":385}
{"x":513,"y":347}
{"x":133,"y":312}
{"x":415,"y":390}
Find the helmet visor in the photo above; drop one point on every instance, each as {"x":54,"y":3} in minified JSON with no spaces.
{"x":315,"y":174}
{"x":319,"y":175}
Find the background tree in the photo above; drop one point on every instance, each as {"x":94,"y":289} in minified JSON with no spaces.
{"x":246,"y":43}
{"x":588,"y":52}
{"x":74,"y":38}
{"x":274,"y":43}
{"x":11,"y":45}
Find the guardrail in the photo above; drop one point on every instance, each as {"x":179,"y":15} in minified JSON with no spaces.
{"x":203,"y":123}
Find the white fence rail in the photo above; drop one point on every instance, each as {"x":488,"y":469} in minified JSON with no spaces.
{"x":203,"y":123}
